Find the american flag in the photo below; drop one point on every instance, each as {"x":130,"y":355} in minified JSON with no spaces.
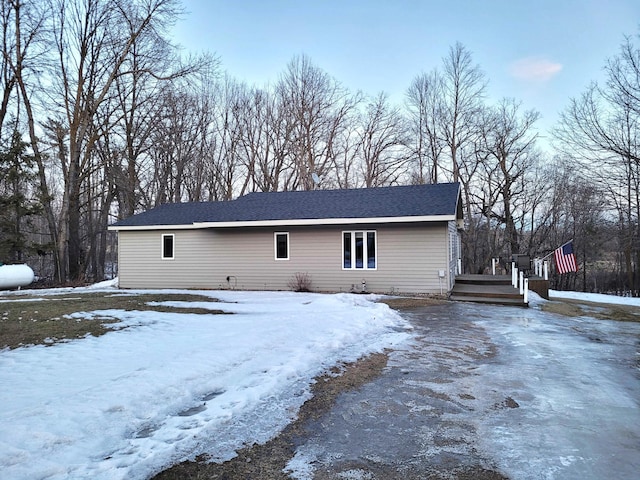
{"x":565,"y":259}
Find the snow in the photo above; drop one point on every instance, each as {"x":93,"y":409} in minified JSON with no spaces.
{"x":165,"y":387}
{"x":595,"y":297}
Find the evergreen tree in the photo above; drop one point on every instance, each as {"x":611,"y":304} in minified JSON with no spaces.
{"x":17,"y":202}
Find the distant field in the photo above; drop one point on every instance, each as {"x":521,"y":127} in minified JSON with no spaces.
{"x":36,"y":320}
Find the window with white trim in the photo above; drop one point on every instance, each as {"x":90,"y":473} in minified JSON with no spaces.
{"x":359,"y":250}
{"x":168,"y":240}
{"x":281,"y":242}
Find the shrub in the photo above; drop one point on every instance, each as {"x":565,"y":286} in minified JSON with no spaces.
{"x":300,"y":282}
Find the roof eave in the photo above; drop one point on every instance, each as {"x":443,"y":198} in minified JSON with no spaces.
{"x":291,"y":222}
{"x":116,"y":228}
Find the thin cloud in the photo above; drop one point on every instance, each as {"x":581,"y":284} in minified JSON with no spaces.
{"x":534,"y":69}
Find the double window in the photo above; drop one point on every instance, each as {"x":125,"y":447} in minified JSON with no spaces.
{"x":359,"y":250}
{"x":281,"y":240}
{"x":167,"y":246}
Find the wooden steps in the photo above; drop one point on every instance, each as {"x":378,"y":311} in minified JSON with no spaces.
{"x":493,"y":289}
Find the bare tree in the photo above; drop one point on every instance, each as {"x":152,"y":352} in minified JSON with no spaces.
{"x":177,"y":145}
{"x":346,"y":157}
{"x":24,"y":59}
{"x":424,"y":102}
{"x":132,"y":109}
{"x":446,"y":109}
{"x":8,"y":16}
{"x":319,"y":108}
{"x":267,"y":132}
{"x":200,"y":180}
{"x":623,"y":76}
{"x":382,"y":143}
{"x":227,"y":147}
{"x":575,"y":209}
{"x":600,"y":130}
{"x":463,"y":87}
{"x":94,"y":40}
{"x":510,"y":146}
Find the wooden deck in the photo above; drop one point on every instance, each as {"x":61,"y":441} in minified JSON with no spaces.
{"x":493,"y":289}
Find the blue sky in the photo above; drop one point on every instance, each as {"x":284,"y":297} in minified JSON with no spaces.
{"x":541,"y":52}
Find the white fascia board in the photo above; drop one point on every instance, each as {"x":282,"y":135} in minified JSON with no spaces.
{"x":291,"y":222}
{"x":115,"y":228}
{"x":326,"y":221}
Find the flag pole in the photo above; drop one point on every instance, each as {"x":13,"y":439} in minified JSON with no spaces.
{"x":552,"y":251}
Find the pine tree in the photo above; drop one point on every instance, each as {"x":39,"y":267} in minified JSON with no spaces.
{"x":17,"y":203}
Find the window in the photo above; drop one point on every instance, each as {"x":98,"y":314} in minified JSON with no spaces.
{"x":167,"y":246}
{"x":282,"y":245}
{"x":346,"y":249}
{"x":359,"y":250}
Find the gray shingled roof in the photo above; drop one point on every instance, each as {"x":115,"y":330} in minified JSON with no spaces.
{"x":403,"y":201}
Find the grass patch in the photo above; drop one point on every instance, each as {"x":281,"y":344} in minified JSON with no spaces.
{"x":601,"y":311}
{"x":412,"y":302}
{"x":33,"y":320}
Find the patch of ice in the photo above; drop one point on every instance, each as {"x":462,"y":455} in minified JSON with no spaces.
{"x":357,"y":474}
{"x":300,"y":467}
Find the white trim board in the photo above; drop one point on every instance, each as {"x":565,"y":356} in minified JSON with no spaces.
{"x":290,"y":222}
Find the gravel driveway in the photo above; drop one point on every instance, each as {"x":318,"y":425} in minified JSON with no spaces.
{"x":489,"y":392}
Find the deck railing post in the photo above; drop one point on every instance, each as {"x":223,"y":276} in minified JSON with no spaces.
{"x":521,"y":283}
{"x":546,"y":270}
{"x":526,"y":290}
{"x":540,"y":268}
{"x":493,"y":266}
{"x":514,"y":274}
{"x":459,"y":266}
{"x":535,"y":266}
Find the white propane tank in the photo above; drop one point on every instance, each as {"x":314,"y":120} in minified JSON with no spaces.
{"x":13,"y":276}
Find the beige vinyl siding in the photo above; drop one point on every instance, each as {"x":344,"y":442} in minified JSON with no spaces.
{"x":408,"y":259}
{"x":140,"y":262}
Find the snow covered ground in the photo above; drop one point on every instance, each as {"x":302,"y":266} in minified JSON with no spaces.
{"x":171,"y":386}
{"x":595,"y":297}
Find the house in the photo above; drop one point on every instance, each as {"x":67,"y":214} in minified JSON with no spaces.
{"x":402,"y":239}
